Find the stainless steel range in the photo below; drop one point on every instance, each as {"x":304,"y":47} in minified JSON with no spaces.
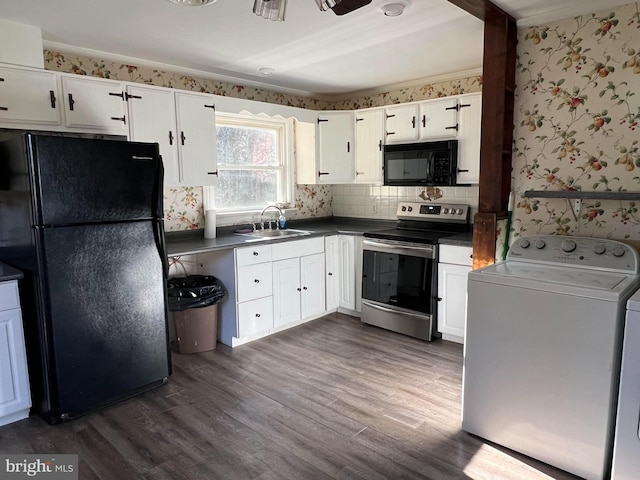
{"x":400,"y":270}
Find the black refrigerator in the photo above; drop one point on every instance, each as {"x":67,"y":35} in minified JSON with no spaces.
{"x":82,"y":218}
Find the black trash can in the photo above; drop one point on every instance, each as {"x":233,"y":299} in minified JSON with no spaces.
{"x":194,"y":300}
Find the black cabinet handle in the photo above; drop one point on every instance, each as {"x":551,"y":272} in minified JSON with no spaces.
{"x":52,"y":98}
{"x":255,"y":254}
{"x":257,"y":315}
{"x":462,"y":171}
{"x":4,"y":109}
{"x":299,"y":289}
{"x":348,"y":147}
{"x":1,"y":79}
{"x":465,"y":105}
{"x":455,"y":127}
{"x":322,"y":120}
{"x":323,"y":173}
{"x":170,"y":137}
{"x":380,"y":145}
{"x":182,"y":137}
{"x":71,"y":102}
{"x":330,"y":274}
{"x":359,"y":119}
{"x":304,"y":288}
{"x":121,"y":95}
{"x":413,"y":122}
{"x":256,"y":281}
{"x":391,"y":133}
{"x":213,"y":173}
{"x":210,"y":106}
{"x":122,"y":119}
{"x":390,"y":116}
{"x":439,"y":299}
{"x":424,"y":120}
{"x":453,"y":108}
{"x":127,"y":96}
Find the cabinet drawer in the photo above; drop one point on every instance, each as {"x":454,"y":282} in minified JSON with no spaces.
{"x":9,"y":295}
{"x":255,"y":316}
{"x":254,"y":281}
{"x":297,"y":248}
{"x":456,"y":255}
{"x":253,"y":255}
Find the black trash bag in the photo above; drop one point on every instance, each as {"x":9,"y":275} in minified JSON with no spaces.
{"x":194,"y":291}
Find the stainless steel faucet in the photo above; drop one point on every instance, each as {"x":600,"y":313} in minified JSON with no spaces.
{"x":280,"y":213}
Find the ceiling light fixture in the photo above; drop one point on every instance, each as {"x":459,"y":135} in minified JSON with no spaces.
{"x":266,"y":70}
{"x":324,"y":5}
{"x":270,"y":9}
{"x":193,"y":3}
{"x":394,"y":9}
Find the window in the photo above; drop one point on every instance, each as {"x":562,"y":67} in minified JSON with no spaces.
{"x":253,"y":162}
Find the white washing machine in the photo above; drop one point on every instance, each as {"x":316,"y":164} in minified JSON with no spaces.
{"x":542,"y":349}
{"x":626,"y":448}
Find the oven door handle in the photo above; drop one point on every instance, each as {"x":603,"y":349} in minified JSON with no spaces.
{"x":393,"y":310}
{"x":423,"y":252}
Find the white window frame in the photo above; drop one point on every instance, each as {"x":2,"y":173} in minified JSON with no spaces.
{"x":286,"y":168}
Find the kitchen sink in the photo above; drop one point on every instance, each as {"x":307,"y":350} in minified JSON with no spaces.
{"x":267,"y":234}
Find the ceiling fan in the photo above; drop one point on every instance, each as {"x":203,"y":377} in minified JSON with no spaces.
{"x":275,"y":9}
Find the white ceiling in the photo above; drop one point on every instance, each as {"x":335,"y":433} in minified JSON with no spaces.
{"x":313,"y":52}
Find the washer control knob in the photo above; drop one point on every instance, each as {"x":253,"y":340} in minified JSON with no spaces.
{"x":539,"y":244}
{"x":599,"y":249}
{"x":525,"y":243}
{"x":568,"y":245}
{"x":617,"y":251}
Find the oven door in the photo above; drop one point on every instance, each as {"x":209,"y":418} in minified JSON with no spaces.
{"x":398,"y":286}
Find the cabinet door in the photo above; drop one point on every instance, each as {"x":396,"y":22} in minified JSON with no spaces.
{"x":152,"y":118}
{"x":401,"y":123}
{"x":332,"y":268}
{"x":358,"y":276}
{"x":286,"y":291}
{"x":197,"y":144}
{"x":439,"y":118}
{"x":452,"y":308}
{"x":28,"y":97}
{"x":347,"y":271}
{"x":14,"y":383}
{"x":254,"y":281}
{"x":470,"y":118}
{"x":96,"y":105}
{"x":336,"y":160}
{"x":312,"y":281}
{"x":255,"y":316}
{"x":369,"y":141}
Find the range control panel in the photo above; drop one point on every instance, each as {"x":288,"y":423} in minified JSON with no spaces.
{"x":597,"y":253}
{"x":433,"y":212}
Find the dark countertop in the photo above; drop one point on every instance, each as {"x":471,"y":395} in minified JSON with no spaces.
{"x":192,"y":241}
{"x":460,"y":240}
{"x":9,"y":273}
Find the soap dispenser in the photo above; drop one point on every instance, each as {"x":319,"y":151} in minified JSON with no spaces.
{"x":282,"y":222}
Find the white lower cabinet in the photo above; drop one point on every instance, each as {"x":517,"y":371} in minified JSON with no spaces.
{"x":332,"y":272}
{"x":453,"y":267}
{"x":255,"y":316}
{"x":15,"y":399}
{"x":346,"y":245}
{"x":343,"y":257}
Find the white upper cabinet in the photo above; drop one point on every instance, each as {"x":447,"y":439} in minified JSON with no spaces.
{"x":439,"y":118}
{"x":94,"y":105}
{"x":153,"y":119}
{"x":336,"y":138}
{"x":470,"y":118}
{"x":401,"y":123}
{"x":197,"y":139}
{"x":28,"y":97}
{"x":369,"y":145}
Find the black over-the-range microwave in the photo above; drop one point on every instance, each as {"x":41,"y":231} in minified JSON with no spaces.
{"x":421,"y":164}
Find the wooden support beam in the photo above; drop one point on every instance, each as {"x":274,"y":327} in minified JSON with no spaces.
{"x":496,"y":148}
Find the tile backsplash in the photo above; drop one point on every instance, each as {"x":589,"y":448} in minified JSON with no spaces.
{"x":372,"y":201}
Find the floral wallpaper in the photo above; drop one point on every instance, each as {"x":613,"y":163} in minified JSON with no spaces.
{"x":184,"y":208}
{"x":415,"y":93}
{"x":576,"y":124}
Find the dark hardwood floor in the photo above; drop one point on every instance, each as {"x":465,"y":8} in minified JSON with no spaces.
{"x":330,"y":399}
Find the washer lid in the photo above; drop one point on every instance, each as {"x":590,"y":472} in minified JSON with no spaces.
{"x":573,"y":277}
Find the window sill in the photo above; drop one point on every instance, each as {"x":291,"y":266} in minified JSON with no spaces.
{"x":226,"y":218}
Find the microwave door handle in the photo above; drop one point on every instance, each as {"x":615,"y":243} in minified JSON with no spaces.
{"x":429,"y":172}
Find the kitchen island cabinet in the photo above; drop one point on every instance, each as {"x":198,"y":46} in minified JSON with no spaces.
{"x":15,"y":398}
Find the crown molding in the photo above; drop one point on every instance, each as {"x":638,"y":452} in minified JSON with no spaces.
{"x":399,"y":86}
